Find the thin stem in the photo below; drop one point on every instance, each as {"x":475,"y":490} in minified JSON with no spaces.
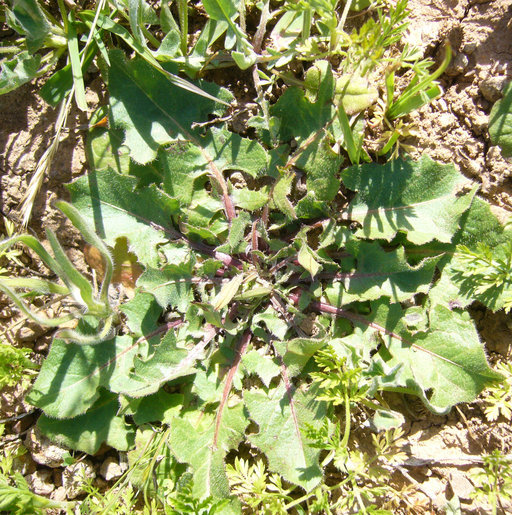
{"x":64,"y":14}
{"x":346,"y":434}
{"x":344,"y":14}
{"x":306,"y":24}
{"x":183,"y":18}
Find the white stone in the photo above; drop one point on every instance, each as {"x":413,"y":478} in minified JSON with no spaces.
{"x":74,"y":476}
{"x":43,"y":451}
{"x":111,"y":469}
{"x":41,"y":482}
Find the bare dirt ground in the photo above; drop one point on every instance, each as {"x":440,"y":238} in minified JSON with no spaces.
{"x":453,"y":129}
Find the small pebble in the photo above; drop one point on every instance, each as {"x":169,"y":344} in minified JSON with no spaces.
{"x":43,"y":451}
{"x":111,"y":469}
{"x":458,"y":65}
{"x":40,"y":482}
{"x":73,"y":478}
{"x":492,"y":88}
{"x":469,"y":47}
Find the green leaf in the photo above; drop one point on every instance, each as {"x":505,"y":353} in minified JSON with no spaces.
{"x":420,"y":198}
{"x":220,"y":9}
{"x":170,"y":359}
{"x":150,"y":109}
{"x":182,"y":162}
{"x":142,"y":313}
{"x":282,"y":416}
{"x":29,"y":20}
{"x":87,"y":432}
{"x":384,"y":420}
{"x":265,"y":367}
{"x":280,"y":194}
{"x":113,"y":205}
{"x":171,"y":285}
{"x":300,"y":118}
{"x":479,"y":226}
{"x":355,"y":93}
{"x":227,"y":292}
{"x":321,"y":165}
{"x":15,"y":72}
{"x":76,"y":67}
{"x":193,"y":444}
{"x":380,"y":273}
{"x":500,"y":122}
{"x":274,"y":323}
{"x":105,"y":149}
{"x":159,"y":407}
{"x":68,"y":383}
{"x":445,"y":365}
{"x":307,"y":260}
{"x":297,"y":352}
{"x":57,"y":87}
{"x":251,"y":200}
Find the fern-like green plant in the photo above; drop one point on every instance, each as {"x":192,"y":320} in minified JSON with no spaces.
{"x":486,"y":273}
{"x":493,"y":481}
{"x":498,"y":398}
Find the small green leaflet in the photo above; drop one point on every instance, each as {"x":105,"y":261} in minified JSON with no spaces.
{"x":227,"y":292}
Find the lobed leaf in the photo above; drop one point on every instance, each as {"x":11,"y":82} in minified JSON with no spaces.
{"x":150,"y":109}
{"x":193,"y":444}
{"x":112,"y":204}
{"x":282,"y":416}
{"x":444,"y":365}
{"x":99,"y":425}
{"x":380,"y":273}
{"x":422,"y":199}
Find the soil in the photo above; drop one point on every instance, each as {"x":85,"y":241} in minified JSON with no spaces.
{"x":452,"y":129}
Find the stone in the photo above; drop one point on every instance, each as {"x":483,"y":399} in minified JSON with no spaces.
{"x":458,"y":65}
{"x":492,"y":88}
{"x":43,"y":451}
{"x":461,"y":485}
{"x":74,"y":477}
{"x":111,"y":469}
{"x":59,"y":494}
{"x":40,"y":482}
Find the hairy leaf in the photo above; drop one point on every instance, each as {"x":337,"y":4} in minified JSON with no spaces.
{"x":281,"y":415}
{"x":297,"y":352}
{"x":380,"y":273}
{"x":167,"y":360}
{"x":171,"y":285}
{"x":445,"y":365}
{"x":71,"y":375}
{"x":27,"y":18}
{"x":321,"y":165}
{"x":87,"y":432}
{"x":193,"y":444}
{"x":159,"y":407}
{"x":17,"y":71}
{"x":150,"y":109}
{"x":419,"y":198}
{"x":114,"y":206}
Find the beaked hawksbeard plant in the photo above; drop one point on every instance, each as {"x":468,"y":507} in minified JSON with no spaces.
{"x":277,"y":285}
